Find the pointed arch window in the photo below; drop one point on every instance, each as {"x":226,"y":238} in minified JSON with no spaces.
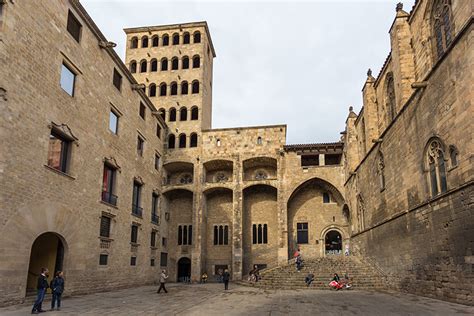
{"x":436,"y":167}
{"x":453,"y":155}
{"x":381,"y":171}
{"x":442,"y":25}
{"x":390,"y":96}
{"x":360,"y":213}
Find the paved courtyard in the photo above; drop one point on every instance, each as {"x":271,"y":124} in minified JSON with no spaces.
{"x":210,"y":299}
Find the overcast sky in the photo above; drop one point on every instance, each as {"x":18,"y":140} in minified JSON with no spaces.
{"x":300,"y":63}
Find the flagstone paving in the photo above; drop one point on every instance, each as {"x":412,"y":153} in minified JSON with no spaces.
{"x":211,"y":299}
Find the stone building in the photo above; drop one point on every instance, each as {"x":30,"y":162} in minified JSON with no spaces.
{"x":125,"y":174}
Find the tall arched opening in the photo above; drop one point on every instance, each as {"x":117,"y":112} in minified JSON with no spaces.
{"x":47,"y":251}
{"x":333,"y":243}
{"x":184,"y":270}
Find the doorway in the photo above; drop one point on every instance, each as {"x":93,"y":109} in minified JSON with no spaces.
{"x":47,"y":252}
{"x":333,"y":243}
{"x":184,"y":270}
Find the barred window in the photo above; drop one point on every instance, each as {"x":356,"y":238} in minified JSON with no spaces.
{"x":105,"y":226}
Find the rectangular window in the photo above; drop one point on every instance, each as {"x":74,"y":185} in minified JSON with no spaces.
{"x":108,"y":185}
{"x":73,"y":26}
{"x":105,"y":226}
{"x":221,"y":234}
{"x":302,"y":233}
{"x":136,"y":199}
{"x":326,"y":197}
{"x":103,"y":260}
{"x":185,"y":235}
{"x":164,"y":241}
{"x":142,"y":110}
{"x":309,"y":160}
{"x":140,"y":145}
{"x":332,"y":159}
{"x":153,"y":239}
{"x":113,"y":122}
{"x":164,"y":259}
{"x":157,"y":162}
{"x":154,"y":208}
{"x":134,"y":234}
{"x":152,"y":262}
{"x":68,"y":80}
{"x":158,"y":131}
{"x":117,"y":79}
{"x":133,"y":261}
{"x":58,"y":152}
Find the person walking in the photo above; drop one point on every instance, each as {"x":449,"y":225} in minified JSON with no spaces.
{"x":163,"y":278}
{"x":226,"y":278}
{"x":41,"y":287}
{"x":57,"y":286}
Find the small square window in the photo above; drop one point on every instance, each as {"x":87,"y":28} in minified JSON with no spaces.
{"x":140,"y":146}
{"x":73,"y":26}
{"x":142,"y":110}
{"x":113,"y":122}
{"x":103,"y":260}
{"x":117,"y":80}
{"x":58,"y":152}
{"x":68,"y":79}
{"x":133,"y":261}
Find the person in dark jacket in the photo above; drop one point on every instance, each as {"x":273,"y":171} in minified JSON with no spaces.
{"x":226,"y":278}
{"x":41,"y":287}
{"x":57,"y":287}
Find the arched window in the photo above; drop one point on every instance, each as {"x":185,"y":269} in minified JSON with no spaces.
{"x":390,"y":97}
{"x":153,"y":65}
{"x":185,"y":64}
{"x":259,"y":140}
{"x":186,"y":38}
{"x":164,"y":64}
{"x":145,"y":41}
{"x":436,"y":166}
{"x":442,"y":25}
{"x":183,"y":114}
{"x":154,"y":41}
{"x":194,"y":113}
{"x":197,"y":37}
{"x":165,"y":40}
{"x":174,"y":88}
{"x":174,"y":63}
{"x":152,"y":90}
{"x":218,"y":142}
{"x":196,"y":62}
{"x":175,"y":39}
{"x":360,"y":213}
{"x":163,"y":89}
{"x":171,"y":141}
{"x":184,"y":87}
{"x":381,"y":171}
{"x":172,"y":114}
{"x":193,"y":140}
{"x":162,"y":113}
{"x":133,"y":66}
{"x":453,"y":155}
{"x":143,"y":66}
{"x":182,"y":141}
{"x":134,"y":42}
{"x":195,"y":88}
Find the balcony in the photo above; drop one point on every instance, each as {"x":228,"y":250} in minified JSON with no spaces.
{"x":109,"y":198}
{"x":137,"y":210}
{"x":155,"y":219}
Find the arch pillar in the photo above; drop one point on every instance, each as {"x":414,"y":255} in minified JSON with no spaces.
{"x":237,"y":243}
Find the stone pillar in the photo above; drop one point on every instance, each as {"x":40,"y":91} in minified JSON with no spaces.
{"x":283,"y":211}
{"x":237,"y":231}
{"x":199,"y":229}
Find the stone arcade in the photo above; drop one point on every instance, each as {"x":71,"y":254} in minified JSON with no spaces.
{"x":111,"y":168}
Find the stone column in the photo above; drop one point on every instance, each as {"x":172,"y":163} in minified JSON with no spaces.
{"x":282,"y":211}
{"x":198,"y":226}
{"x":237,"y":233}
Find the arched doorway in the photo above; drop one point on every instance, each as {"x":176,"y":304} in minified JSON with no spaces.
{"x":333,"y":243}
{"x":47,"y":251}
{"x":184,"y":269}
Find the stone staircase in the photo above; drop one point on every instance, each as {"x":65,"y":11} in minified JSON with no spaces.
{"x":362,"y":275}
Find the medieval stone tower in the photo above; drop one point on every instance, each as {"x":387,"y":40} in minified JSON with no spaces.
{"x":174,"y":62}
